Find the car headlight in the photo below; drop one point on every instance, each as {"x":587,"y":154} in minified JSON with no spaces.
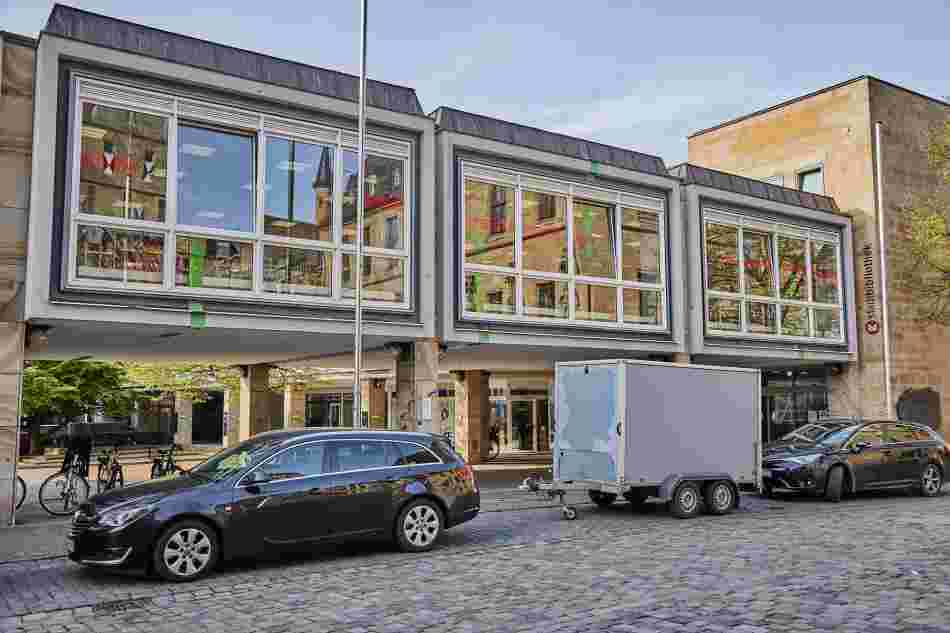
{"x":121,"y":517}
{"x":804,"y":459}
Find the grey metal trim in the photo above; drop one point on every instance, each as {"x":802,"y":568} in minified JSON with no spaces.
{"x":19,"y":40}
{"x":238,"y":483}
{"x":108,"y":563}
{"x":715,"y":179}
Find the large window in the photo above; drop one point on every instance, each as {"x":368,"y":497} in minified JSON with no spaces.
{"x":550,"y":251}
{"x":259,"y":206}
{"x":771,"y":280}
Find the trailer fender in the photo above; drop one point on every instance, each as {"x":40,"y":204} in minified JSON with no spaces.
{"x":672,"y":481}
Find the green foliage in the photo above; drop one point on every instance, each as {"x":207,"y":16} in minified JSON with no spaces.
{"x":923,"y":262}
{"x":74,"y":387}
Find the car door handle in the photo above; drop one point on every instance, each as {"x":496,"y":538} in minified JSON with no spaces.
{"x":886,"y":451}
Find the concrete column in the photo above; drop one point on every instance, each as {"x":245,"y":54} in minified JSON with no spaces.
{"x":12,"y":337}
{"x":255,"y":401}
{"x":375,"y":396}
{"x":295,"y":406}
{"x":472,"y":409}
{"x":184,"y":408}
{"x":417,"y":379}
{"x":232,"y":417}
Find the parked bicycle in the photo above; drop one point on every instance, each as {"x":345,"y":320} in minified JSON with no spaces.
{"x":494,"y":442}
{"x":164,"y":464}
{"x":63,"y":492}
{"x":109,"y":474}
{"x":20,"y":492}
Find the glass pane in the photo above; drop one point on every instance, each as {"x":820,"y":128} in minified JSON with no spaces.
{"x":812,"y":181}
{"x":296,"y":271}
{"x":824,"y":272}
{"x":298,"y":190}
{"x":594,"y":236}
{"x":595,"y":303}
{"x":762,"y":317}
{"x":122,"y":152}
{"x":489,"y":224}
{"x":119,"y":255}
{"x":487,"y":292}
{"x":382,"y":278}
{"x":722,"y":262}
{"x":757,"y":262}
{"x":544,"y":232}
{"x":210,"y":263}
{"x":791,"y":257}
{"x":215,"y":179}
{"x":545,"y":298}
{"x":641,"y":246}
{"x":383,"y":213}
{"x":642,"y":306}
{"x":794,"y":321}
{"x":723,"y":314}
{"x":827,"y":324}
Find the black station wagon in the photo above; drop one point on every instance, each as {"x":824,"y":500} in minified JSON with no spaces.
{"x":280,"y":488}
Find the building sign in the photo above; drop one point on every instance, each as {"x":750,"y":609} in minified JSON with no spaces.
{"x":871,"y":325}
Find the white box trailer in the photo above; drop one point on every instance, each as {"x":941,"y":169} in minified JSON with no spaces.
{"x":685,"y":434}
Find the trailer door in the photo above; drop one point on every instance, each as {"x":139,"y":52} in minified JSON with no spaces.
{"x":586,"y":440}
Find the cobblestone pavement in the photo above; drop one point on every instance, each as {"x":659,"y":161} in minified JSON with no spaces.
{"x":870,"y":564}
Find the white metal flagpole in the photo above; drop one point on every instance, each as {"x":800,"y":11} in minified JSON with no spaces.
{"x":360,"y":198}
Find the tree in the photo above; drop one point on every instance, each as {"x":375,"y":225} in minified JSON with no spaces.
{"x":72,"y":388}
{"x":923,"y":262}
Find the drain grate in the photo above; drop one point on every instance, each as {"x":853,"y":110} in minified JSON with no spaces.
{"x":118,"y":606}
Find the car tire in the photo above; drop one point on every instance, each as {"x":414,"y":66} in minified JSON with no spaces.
{"x":931,"y":481}
{"x":418,"y":526}
{"x":719,"y":497}
{"x":186,"y":551}
{"x":602,"y":499}
{"x":687,"y":501}
{"x":834,"y":487}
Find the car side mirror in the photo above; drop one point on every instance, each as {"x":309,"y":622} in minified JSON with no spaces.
{"x":860,"y":446}
{"x":257,"y":478}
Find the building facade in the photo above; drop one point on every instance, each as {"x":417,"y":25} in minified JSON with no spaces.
{"x":863,"y":142}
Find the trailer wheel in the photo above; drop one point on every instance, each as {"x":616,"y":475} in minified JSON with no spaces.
{"x":720,"y":497}
{"x":687,"y":501}
{"x":569,"y":513}
{"x":602,"y":499}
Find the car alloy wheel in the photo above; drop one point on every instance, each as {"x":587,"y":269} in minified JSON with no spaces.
{"x":931,"y":481}
{"x":186,"y":551}
{"x":418,"y":526}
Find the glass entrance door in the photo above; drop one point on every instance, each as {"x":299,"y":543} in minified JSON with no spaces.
{"x":522,"y":425}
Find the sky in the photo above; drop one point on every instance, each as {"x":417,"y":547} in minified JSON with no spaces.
{"x":641,"y":75}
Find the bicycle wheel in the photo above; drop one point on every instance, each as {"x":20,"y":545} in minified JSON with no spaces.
{"x":20,"y":492}
{"x":156,"y":470}
{"x":493,"y":450}
{"x":60,"y":497}
{"x":118,"y":477}
{"x":102,"y":477}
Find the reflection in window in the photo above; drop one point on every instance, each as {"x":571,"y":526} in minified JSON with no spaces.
{"x":642,"y":306}
{"x":383,"y":214}
{"x":762,"y":317}
{"x":824,"y":272}
{"x":545,"y":298}
{"x":722,"y":263}
{"x":489,"y":293}
{"x":296,"y":271}
{"x":123,"y":164}
{"x":723,"y":314}
{"x":594,"y":238}
{"x":827,"y":323}
{"x":595,"y":303}
{"x":119,"y":255}
{"x":216,"y":179}
{"x":794,"y":320}
{"x":383,"y":277}
{"x":544,"y":232}
{"x":757,"y":262}
{"x":641,"y":246}
{"x":298,"y":190}
{"x":489,"y":224}
{"x":791,"y":258}
{"x":212,"y":263}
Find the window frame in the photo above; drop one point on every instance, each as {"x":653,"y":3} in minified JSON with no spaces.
{"x":801,"y":173}
{"x":776,"y":230}
{"x":176,"y":109}
{"x":618,"y":200}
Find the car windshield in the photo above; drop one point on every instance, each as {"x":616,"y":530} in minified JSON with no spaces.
{"x":836,"y":439}
{"x":807,"y":432}
{"x":234,"y":459}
